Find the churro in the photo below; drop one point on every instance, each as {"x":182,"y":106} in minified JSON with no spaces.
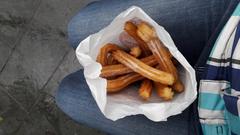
{"x":120,"y":69}
{"x":163,"y":91}
{"x":131,"y":29}
{"x":145,"y":89}
{"x":161,"y":53}
{"x":119,"y":83}
{"x":142,"y":68}
{"x":135,"y":51}
{"x":103,"y":54}
{"x":111,"y":60}
{"x":178,"y":86}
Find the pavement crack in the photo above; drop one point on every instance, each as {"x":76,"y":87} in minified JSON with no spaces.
{"x":48,"y":80}
{"x":13,"y":98}
{"x":20,"y":37}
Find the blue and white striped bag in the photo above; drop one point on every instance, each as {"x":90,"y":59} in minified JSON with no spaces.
{"x":219,"y":90}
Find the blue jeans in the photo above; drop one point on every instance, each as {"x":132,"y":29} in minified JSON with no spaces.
{"x":193,"y":25}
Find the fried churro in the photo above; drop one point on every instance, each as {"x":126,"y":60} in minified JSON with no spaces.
{"x":102,"y":57}
{"x":163,"y":91}
{"x":120,"y":69}
{"x":145,"y":89}
{"x":131,"y":29}
{"x":119,"y":83}
{"x":111,"y":60}
{"x":135,"y":51}
{"x":161,"y":53}
{"x":142,"y":68}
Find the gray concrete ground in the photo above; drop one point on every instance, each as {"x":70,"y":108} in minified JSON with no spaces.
{"x":34,"y":58}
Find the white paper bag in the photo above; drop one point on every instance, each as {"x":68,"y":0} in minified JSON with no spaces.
{"x":128,"y":102}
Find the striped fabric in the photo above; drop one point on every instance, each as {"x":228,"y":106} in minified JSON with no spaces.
{"x":219,"y":90}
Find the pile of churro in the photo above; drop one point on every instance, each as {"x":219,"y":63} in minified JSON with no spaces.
{"x":146,"y":60}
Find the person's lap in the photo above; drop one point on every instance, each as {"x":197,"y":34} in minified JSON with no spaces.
{"x":75,"y":99}
{"x":188,"y":22}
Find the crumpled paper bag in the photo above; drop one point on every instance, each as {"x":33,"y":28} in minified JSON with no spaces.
{"x":127,"y":102}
